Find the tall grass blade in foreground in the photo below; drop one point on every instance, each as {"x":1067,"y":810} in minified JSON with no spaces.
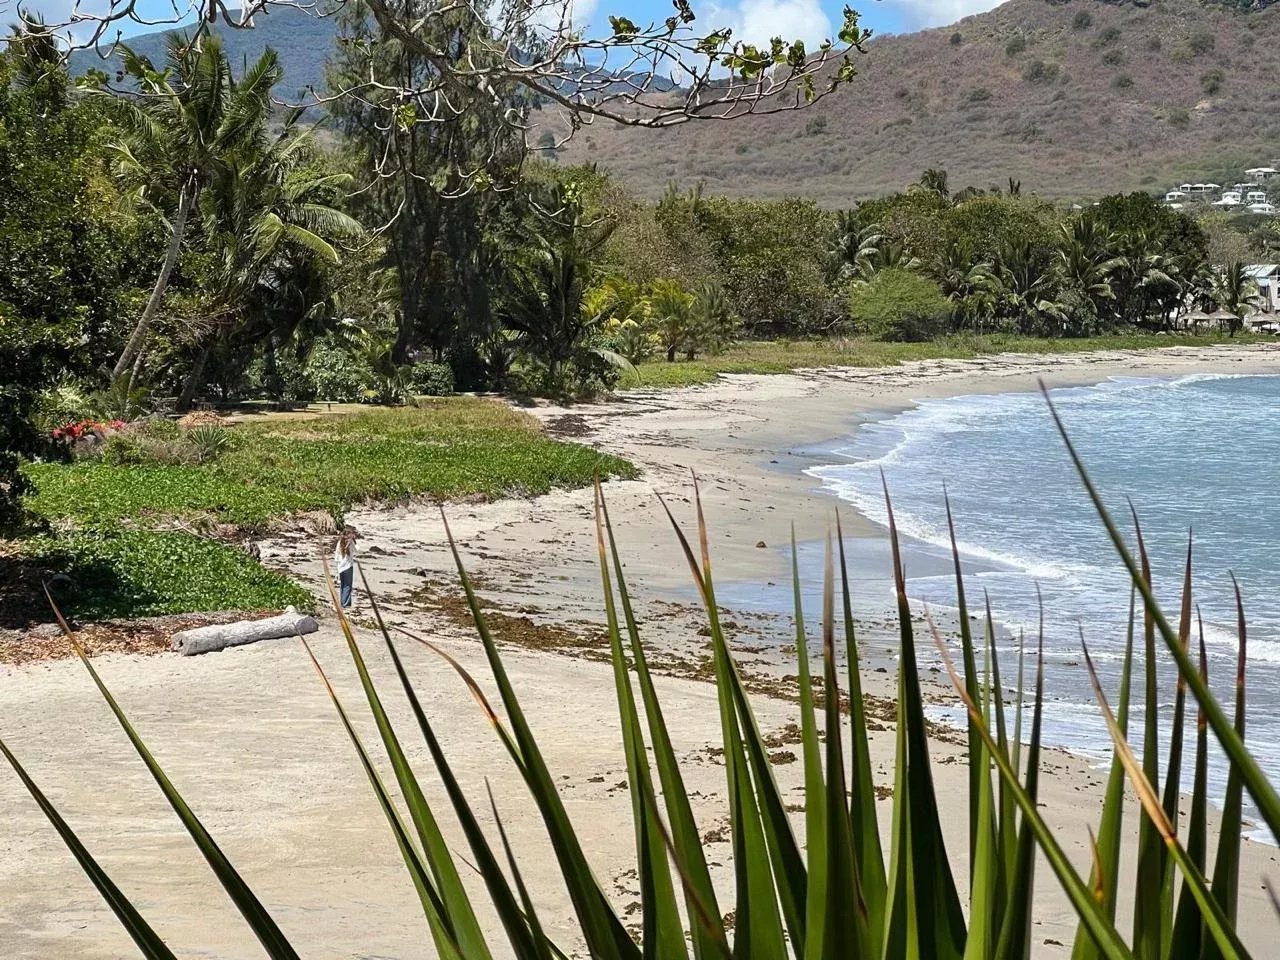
{"x":1105,"y":878}
{"x":1252,"y":777}
{"x":251,"y":908}
{"x":842,"y":899}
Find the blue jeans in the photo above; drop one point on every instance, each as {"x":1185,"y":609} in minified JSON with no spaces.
{"x":344,"y":586}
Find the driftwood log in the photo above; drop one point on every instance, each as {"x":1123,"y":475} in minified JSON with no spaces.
{"x":219,"y":636}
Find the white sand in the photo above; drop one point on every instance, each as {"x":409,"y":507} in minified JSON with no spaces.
{"x":251,"y":739}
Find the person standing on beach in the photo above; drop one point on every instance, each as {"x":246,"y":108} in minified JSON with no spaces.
{"x":344,"y":564}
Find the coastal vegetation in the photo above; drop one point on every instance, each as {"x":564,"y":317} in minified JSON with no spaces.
{"x":154,"y":518}
{"x":179,"y":242}
{"x":786,"y":356}
{"x":821,"y":883}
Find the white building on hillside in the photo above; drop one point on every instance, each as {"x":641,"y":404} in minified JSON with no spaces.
{"x":1261,"y":173}
{"x":1230,"y":198}
{"x":1256,"y":196}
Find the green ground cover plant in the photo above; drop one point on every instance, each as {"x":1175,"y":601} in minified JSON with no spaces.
{"x":452,"y":448}
{"x":783,"y":356}
{"x":113,"y":517}
{"x":135,"y":573}
{"x":831,"y":890}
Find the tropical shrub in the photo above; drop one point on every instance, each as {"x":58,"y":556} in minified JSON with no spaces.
{"x":337,"y":374}
{"x":208,"y":442}
{"x":431,"y":379}
{"x":670,"y":309}
{"x":713,"y":323}
{"x":897,"y":304}
{"x":831,"y":890}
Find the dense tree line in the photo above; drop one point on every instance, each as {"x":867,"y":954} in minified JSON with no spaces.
{"x":187,"y":242}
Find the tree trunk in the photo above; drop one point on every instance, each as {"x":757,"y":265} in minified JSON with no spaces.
{"x":671,"y":353}
{"x":195,"y":379}
{"x":139,"y":335}
{"x":220,"y":636}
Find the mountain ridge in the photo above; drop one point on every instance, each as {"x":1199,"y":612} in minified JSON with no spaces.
{"x":1073,"y":98}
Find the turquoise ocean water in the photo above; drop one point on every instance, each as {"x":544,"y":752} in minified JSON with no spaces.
{"x":1199,"y":453}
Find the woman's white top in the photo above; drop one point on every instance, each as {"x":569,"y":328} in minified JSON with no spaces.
{"x":342,"y":562}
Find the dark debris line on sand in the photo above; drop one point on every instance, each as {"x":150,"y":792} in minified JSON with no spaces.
{"x":148,"y":635}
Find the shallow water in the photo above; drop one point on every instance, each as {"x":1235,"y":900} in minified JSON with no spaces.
{"x":1192,"y":452}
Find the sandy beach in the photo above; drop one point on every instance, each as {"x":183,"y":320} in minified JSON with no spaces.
{"x":251,"y":739}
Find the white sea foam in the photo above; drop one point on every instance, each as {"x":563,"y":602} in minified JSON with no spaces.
{"x":1194,"y":450}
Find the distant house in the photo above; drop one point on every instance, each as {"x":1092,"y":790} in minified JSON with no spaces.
{"x":1262,"y":173}
{"x":1264,"y":208}
{"x":1256,"y":196}
{"x":1230,"y":198}
{"x":1267,"y":277}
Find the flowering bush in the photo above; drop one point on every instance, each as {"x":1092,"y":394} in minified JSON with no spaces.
{"x":83,"y":435}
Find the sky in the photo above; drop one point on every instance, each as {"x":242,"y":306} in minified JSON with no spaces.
{"x":751,"y":20}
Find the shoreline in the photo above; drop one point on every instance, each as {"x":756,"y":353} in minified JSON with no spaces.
{"x":251,"y":739}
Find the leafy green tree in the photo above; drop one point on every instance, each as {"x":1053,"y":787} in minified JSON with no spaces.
{"x":67,"y":254}
{"x":430,"y":188}
{"x":188,"y":119}
{"x":546,"y":305}
{"x":898,"y":304}
{"x":770,"y":263}
{"x":912,"y":217}
{"x":1172,"y":232}
{"x":989,"y":223}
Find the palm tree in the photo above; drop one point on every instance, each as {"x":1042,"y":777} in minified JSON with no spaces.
{"x":1142,"y":278}
{"x":853,"y":254}
{"x":1025,"y":286}
{"x":894,"y":254}
{"x":966,"y":281}
{"x":545,"y":303}
{"x":671,"y":311}
{"x":38,"y":62}
{"x":273,"y":231}
{"x":180,"y":130}
{"x":1234,"y":290}
{"x":1084,"y":263}
{"x":935,"y":181}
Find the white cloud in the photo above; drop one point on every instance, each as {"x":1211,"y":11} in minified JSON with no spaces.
{"x":918,"y":14}
{"x":759,"y":21}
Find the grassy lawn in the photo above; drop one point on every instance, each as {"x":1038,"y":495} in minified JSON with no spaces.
{"x":777,"y":356}
{"x":450,"y":449}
